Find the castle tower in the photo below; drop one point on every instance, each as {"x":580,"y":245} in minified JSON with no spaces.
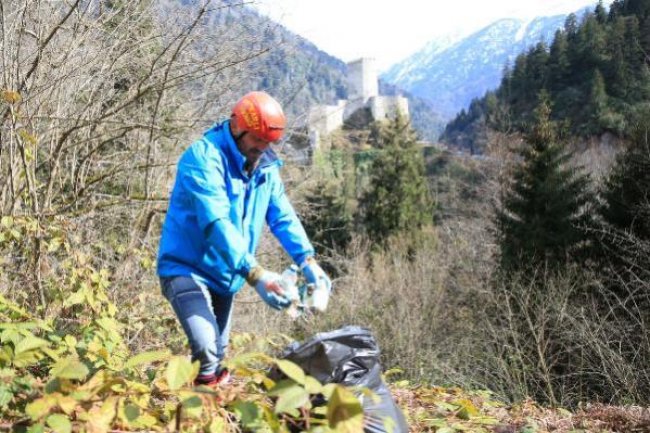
{"x":362,"y":80}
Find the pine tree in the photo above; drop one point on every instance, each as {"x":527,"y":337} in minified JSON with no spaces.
{"x":538,"y":224}
{"x":328,"y":220}
{"x":537,"y":67}
{"x":600,"y":13}
{"x":398,"y":200}
{"x":558,"y":63}
{"x":597,"y":107}
{"x":571,"y":26}
{"x":618,"y":70}
{"x":627,"y":189}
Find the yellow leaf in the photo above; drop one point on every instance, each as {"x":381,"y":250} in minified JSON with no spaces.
{"x":467,"y":409}
{"x":312,"y":385}
{"x":70,"y":341}
{"x":344,"y":411}
{"x":27,"y":137}
{"x":69,"y":368}
{"x":217,"y":425}
{"x":66,"y":403}
{"x":10,"y":96}
{"x":292,"y":370}
{"x":179,"y":372}
{"x":39,"y":407}
{"x":147,"y":358}
{"x":26,"y":359}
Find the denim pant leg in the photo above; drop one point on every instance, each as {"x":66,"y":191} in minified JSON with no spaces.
{"x":204,"y":316}
{"x":222,"y":308}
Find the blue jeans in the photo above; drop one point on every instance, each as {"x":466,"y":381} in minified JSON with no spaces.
{"x":205,"y":318}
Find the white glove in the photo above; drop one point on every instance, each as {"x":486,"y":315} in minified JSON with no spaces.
{"x":267,"y":284}
{"x":315,"y":275}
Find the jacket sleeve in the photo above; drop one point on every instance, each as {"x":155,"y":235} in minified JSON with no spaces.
{"x":285,"y":225}
{"x":206,"y":188}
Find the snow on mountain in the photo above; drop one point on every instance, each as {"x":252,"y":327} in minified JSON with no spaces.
{"x":449,"y":72}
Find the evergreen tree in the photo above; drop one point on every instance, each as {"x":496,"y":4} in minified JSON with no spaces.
{"x":539,"y":222}
{"x":398,"y":199}
{"x":328,"y":219}
{"x":571,"y":26}
{"x":633,"y":55}
{"x":558,"y":62}
{"x":597,"y":108}
{"x":618,"y":71}
{"x":328,"y":216}
{"x":537,"y":67}
{"x":519,"y":83}
{"x":600,"y":13}
{"x":592,"y":47}
{"x":597,"y":73}
{"x":626,"y":195}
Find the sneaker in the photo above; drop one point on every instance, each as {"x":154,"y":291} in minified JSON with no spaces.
{"x":222,"y":377}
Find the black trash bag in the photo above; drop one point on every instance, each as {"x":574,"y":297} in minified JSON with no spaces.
{"x":350,"y":356}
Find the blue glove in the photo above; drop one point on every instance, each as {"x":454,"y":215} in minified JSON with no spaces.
{"x":267,"y":285}
{"x":315,"y":275}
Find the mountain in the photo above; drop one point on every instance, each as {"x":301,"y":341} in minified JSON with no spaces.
{"x":594,"y":76}
{"x":301,"y":75}
{"x":449,"y":73}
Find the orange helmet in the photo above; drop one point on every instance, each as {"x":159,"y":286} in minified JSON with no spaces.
{"x":259,"y":113}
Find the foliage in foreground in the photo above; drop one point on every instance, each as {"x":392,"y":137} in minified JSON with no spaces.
{"x":71,"y":368}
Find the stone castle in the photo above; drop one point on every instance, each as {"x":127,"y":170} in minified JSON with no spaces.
{"x":363,"y":92}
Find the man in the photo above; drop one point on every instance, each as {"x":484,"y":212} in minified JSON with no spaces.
{"x":227,"y":185}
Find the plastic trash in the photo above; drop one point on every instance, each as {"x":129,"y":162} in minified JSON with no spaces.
{"x":350,"y":356}
{"x":289,"y":283}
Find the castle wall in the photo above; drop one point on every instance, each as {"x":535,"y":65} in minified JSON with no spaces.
{"x":362,"y":79}
{"x":363,"y":91}
{"x":383,"y":107}
{"x":327,"y":118}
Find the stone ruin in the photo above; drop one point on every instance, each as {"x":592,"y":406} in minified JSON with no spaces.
{"x":363,"y":93}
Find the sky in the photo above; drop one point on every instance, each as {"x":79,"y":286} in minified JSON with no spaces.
{"x":398,"y":28}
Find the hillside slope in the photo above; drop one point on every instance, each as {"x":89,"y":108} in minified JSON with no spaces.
{"x":451,"y":75}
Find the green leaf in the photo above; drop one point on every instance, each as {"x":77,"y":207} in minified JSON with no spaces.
{"x":15,"y":234}
{"x":29,"y":343}
{"x":76,"y":298}
{"x":192,"y":406}
{"x":147,"y":357}
{"x":7,"y":221}
{"x":69,"y":368}
{"x":344,"y":411}
{"x":5,"y":397}
{"x":248,"y":413}
{"x":291,"y":398}
{"x":292,"y":371}
{"x":131,"y":412}
{"x":59,"y":423}
{"x":36,"y":428}
{"x":25,"y":359}
{"x":179,"y":372}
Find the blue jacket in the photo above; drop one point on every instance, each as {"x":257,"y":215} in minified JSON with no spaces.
{"x":216,"y":214}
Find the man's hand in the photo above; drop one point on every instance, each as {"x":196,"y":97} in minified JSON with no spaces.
{"x":267,"y":284}
{"x":315,"y":275}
